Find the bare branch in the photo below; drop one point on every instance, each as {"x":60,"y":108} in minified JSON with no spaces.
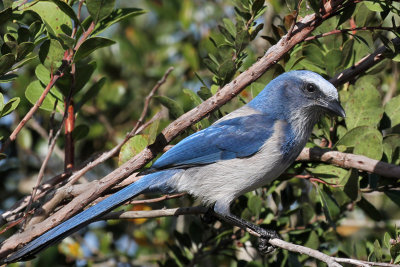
{"x":347,"y":160}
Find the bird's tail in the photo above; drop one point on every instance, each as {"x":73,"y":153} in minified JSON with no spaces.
{"x":154,"y":182}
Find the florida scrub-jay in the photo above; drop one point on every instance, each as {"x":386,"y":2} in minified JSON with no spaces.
{"x":243,"y":150}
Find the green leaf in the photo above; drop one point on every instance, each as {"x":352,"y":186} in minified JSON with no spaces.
{"x":229,"y":26}
{"x":312,"y":241}
{"x":67,"y":9}
{"x":386,"y":240}
{"x":204,"y":93}
{"x":5,"y":15}
{"x":53,"y":16}
{"x":363,"y":106}
{"x":8,"y":78}
{"x":255,"y":204}
{"x":6,"y":62}
{"x":24,"y":49}
{"x":90,"y":45}
{"x":131,"y":148}
{"x":351,"y":184}
{"x":66,"y":40}
{"x":51,"y":54}
{"x":378,"y":250}
{"x":174,"y":108}
{"x":1,"y":102}
{"x":42,"y":73}
{"x":193,"y":96}
{"x":373,"y":6}
{"x":33,"y":93}
{"x":365,"y":140}
{"x":99,"y":9}
{"x":391,"y":143}
{"x":80,"y":132}
{"x":10,"y":106}
{"x":92,"y":92}
{"x":331,"y":209}
{"x":392,"y":109}
{"x":332,"y":59}
{"x":328,"y":173}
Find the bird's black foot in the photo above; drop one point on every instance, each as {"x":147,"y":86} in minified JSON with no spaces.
{"x":264,"y":247}
{"x":209,"y":217}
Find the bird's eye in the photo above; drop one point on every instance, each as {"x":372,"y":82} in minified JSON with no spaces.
{"x":310,"y":88}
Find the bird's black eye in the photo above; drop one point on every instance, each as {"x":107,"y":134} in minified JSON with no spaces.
{"x":310,"y":88}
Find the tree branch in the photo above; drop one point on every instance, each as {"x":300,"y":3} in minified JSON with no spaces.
{"x":347,"y":161}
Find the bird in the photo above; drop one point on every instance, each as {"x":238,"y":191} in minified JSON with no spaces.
{"x":245,"y":149}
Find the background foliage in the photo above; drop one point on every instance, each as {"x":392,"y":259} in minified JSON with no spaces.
{"x":337,"y":211}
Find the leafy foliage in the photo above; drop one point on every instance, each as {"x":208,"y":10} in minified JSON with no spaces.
{"x":108,"y":58}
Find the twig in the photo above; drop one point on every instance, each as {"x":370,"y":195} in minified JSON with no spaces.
{"x":42,"y":168}
{"x":364,"y":263}
{"x":153,"y":213}
{"x":289,"y":34}
{"x":347,"y":161}
{"x":337,"y":31}
{"x":362,"y":65}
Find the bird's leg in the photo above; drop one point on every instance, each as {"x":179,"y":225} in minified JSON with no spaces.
{"x":265,"y":235}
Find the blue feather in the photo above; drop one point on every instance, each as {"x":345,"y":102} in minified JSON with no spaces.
{"x":234,"y":138}
{"x":149,"y":183}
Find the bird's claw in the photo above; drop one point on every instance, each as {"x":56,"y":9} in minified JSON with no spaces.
{"x":264,"y":246}
{"x":208,"y":217}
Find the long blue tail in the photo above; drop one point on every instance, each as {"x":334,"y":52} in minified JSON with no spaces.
{"x":151,"y":182}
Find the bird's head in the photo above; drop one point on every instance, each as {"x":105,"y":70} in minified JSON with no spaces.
{"x":299,"y":92}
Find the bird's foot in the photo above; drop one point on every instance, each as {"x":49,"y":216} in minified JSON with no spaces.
{"x":264,"y":246}
{"x":209,"y":217}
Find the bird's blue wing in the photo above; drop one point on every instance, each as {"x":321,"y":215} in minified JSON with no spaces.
{"x":234,"y":138}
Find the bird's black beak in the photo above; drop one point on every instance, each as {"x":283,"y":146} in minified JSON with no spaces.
{"x":335,"y":108}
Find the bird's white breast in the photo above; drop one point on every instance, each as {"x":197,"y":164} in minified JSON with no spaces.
{"x":226,"y":180}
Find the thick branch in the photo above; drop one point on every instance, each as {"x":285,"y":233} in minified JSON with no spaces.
{"x":346,"y":160}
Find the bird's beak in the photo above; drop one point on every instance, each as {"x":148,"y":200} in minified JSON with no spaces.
{"x":335,"y":108}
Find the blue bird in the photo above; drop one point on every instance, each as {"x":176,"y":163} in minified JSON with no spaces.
{"x":243,"y":150}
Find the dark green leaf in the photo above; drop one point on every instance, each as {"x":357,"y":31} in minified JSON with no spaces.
{"x":99,"y":9}
{"x":90,"y":45}
{"x":204,"y":93}
{"x":92,"y":92}
{"x":174,"y":109}
{"x":6,"y":62}
{"x":369,"y":209}
{"x":257,"y":6}
{"x":242,"y":40}
{"x":80,"y":132}
{"x":346,"y":14}
{"x":10,"y":106}
{"x":226,"y":34}
{"x":331,"y":209}
{"x":23,"y":35}
{"x":5,"y":15}
{"x":24,"y":49}
{"x":67,"y":41}
{"x":8,"y":77}
{"x":116,"y":16}
{"x":351,"y":184}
